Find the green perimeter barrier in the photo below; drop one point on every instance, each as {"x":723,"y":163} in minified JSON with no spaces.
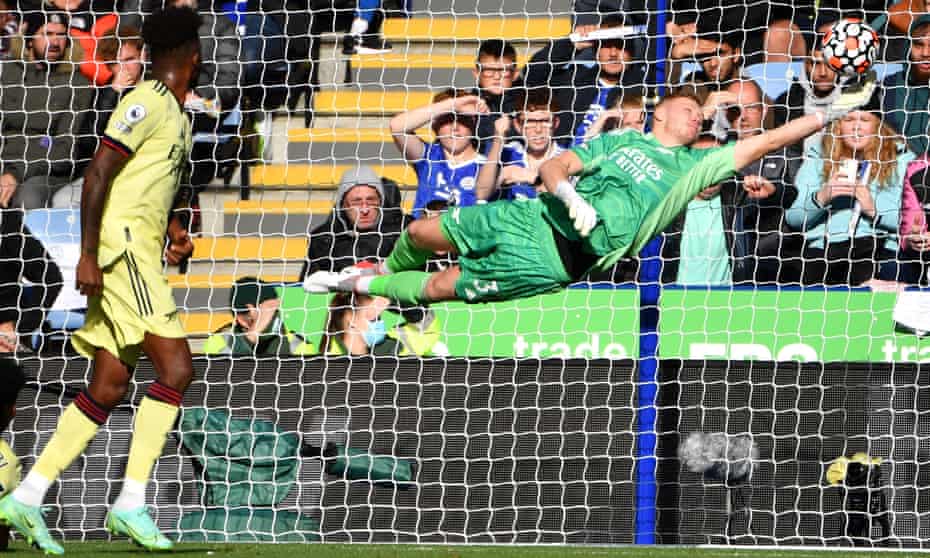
{"x":829,"y":325}
{"x":579,"y":322}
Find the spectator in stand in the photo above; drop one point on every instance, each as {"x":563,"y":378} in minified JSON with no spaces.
{"x":10,"y":41}
{"x":585,"y":90}
{"x":495,"y":72}
{"x":515,"y":175}
{"x":912,"y":229}
{"x":720,"y":57}
{"x":88,"y":22}
{"x":906,"y":101}
{"x":22,"y":256}
{"x":217,"y":89}
{"x":355,"y":328}
{"x":716,"y":241}
{"x":447,"y":169}
{"x":364,"y":35}
{"x":808,"y":93}
{"x":627,"y":113}
{"x":122,"y":52}
{"x":258,"y":328}
{"x":851,"y":222}
{"x":42,"y":110}
{"x":772,"y":30}
{"x":364,"y":225}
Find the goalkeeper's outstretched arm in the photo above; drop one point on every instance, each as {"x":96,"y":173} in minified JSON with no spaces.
{"x":752,"y":149}
{"x":847,"y":99}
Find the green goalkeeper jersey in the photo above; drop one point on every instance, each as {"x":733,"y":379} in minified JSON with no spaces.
{"x":638,"y":187}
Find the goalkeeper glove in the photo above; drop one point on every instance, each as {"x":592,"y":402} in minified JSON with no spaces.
{"x":847,"y":98}
{"x":580,"y":211}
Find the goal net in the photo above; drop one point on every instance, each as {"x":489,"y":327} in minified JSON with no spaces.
{"x":751,"y":377}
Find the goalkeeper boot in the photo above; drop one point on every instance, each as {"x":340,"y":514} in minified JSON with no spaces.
{"x":342,"y":281}
{"x":138,"y":526}
{"x":30,"y":523}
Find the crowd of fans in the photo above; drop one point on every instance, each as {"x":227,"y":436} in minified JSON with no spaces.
{"x":844,"y":207}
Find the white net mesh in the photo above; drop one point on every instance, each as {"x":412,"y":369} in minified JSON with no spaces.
{"x":555,"y":418}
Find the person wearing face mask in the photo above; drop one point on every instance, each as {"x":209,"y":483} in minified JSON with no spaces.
{"x":258,"y":328}
{"x":355,"y":327}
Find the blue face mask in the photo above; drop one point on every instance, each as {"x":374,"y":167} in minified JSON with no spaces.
{"x":375,"y":333}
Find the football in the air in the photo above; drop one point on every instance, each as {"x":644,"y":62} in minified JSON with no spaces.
{"x":850,"y":47}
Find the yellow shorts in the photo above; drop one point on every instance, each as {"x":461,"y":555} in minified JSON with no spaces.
{"x":136,"y":300}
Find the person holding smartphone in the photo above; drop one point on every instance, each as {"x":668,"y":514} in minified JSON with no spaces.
{"x":849,"y":200}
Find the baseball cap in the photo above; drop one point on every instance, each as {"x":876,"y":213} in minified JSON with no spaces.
{"x":250,"y":290}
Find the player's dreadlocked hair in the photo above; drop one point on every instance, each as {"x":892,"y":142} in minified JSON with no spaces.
{"x":170,"y":29}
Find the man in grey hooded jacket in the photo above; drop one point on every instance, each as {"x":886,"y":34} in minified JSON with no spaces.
{"x":364,"y":225}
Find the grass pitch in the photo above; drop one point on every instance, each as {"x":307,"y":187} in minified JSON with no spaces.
{"x":120,"y":549}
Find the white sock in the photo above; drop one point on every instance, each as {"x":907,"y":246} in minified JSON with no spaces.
{"x":131,"y":497}
{"x":363,"y":283}
{"x":32,"y":490}
{"x":359,"y":26}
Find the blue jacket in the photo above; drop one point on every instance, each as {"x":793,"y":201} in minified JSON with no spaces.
{"x":805,"y":214}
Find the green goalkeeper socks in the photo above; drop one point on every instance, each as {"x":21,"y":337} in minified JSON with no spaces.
{"x":406,"y":256}
{"x":406,"y":287}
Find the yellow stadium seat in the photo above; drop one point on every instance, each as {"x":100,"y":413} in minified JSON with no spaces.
{"x":323,"y":175}
{"x":249,"y":248}
{"x":376,"y":103}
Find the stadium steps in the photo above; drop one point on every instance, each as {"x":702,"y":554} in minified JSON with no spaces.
{"x":324,"y":175}
{"x":345,"y":147}
{"x":276,"y":217}
{"x":232,"y":248}
{"x":350,"y":100}
{"x":266,"y":236}
{"x":202,"y":324}
{"x":202,"y":293}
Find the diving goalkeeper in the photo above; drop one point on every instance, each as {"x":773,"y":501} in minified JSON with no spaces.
{"x":630,"y":186}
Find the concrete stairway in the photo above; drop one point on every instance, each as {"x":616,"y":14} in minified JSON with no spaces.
{"x":267,"y":235}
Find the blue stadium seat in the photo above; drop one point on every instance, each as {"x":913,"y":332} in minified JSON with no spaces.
{"x":59,"y":230}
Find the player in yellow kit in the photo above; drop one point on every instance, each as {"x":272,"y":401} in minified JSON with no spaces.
{"x":126,"y":205}
{"x":10,"y":468}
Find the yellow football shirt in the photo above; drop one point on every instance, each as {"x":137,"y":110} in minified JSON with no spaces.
{"x":150,"y":128}
{"x":10,"y":469}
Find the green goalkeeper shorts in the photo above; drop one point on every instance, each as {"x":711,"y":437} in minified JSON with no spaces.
{"x":506,"y":251}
